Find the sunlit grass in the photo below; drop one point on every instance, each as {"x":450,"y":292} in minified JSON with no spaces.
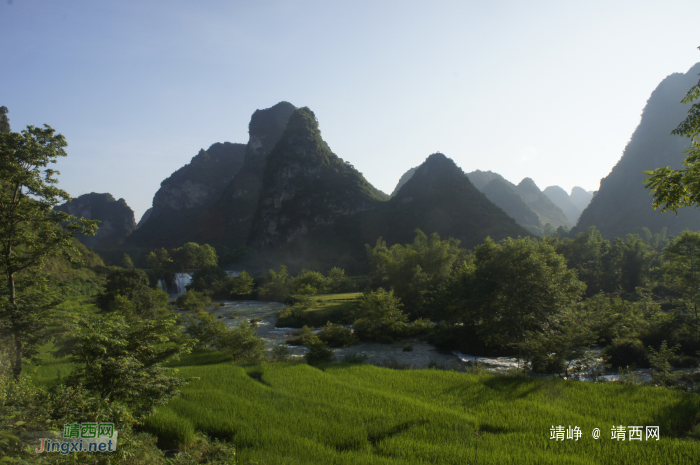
{"x":293,"y":413}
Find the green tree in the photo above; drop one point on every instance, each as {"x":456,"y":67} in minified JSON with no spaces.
{"x":276,"y":286}
{"x":30,"y":229}
{"x":586,"y":254}
{"x":207,"y":279}
{"x":378,"y":314}
{"x":127,"y":292}
{"x":4,"y":120}
{"x":241,"y":285}
{"x":338,"y":282}
{"x":682,"y":273}
{"x":416,"y":272}
{"x":159,"y":260}
{"x":518,"y":286}
{"x":193,"y":256}
{"x":240,"y":342}
{"x":123,"y":360}
{"x":126,"y":261}
{"x":673,"y":189}
{"x":193,"y":301}
{"x":308,"y":283}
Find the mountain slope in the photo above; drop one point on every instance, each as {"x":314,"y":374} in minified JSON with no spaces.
{"x":404,"y":178}
{"x":231,"y":216}
{"x":540,"y":204}
{"x":176,"y":213}
{"x":437,"y":198}
{"x":305,"y":186}
{"x":503,"y":193}
{"x":562,"y":200}
{"x":580,"y":197}
{"x":117,"y":219}
{"x":622,"y":204}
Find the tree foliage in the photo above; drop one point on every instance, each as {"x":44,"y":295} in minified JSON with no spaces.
{"x":30,"y":229}
{"x":123,"y":360}
{"x":673,"y":189}
{"x":518,"y":285}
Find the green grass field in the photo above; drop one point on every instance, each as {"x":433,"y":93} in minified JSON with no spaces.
{"x":287,"y":413}
{"x":336,"y":308}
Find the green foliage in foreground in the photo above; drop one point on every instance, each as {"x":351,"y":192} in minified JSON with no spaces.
{"x":286,"y":413}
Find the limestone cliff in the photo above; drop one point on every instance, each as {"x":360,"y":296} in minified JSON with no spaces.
{"x":622,"y":205}
{"x":305,"y":186}
{"x":232,"y":214}
{"x":116,"y":218}
{"x":176,"y":215}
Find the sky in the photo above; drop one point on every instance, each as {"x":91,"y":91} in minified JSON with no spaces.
{"x":546,"y":90}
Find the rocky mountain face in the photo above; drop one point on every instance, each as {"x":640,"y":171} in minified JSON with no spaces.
{"x":503,"y":193}
{"x":116,"y":218}
{"x":201,"y":181}
{"x":177,"y":206}
{"x":622,"y":205}
{"x":231,"y":216}
{"x":540,"y":204}
{"x":146,"y":215}
{"x":581,"y":197}
{"x":437,"y":198}
{"x":525,"y":202}
{"x":404,"y":178}
{"x":572,"y":205}
{"x":305,"y":186}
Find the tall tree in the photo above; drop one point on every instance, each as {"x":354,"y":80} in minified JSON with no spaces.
{"x":682,"y":274}
{"x":4,"y":120}
{"x":30,"y":229}
{"x":673,"y":189}
{"x":518,"y":285}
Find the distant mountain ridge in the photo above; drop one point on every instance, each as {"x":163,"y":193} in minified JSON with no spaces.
{"x":438,"y":197}
{"x":116,"y":218}
{"x":622,"y":205}
{"x":525,"y":202}
{"x":175,"y":216}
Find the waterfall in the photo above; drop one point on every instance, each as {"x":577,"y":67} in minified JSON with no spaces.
{"x":181,"y":280}
{"x":177,"y":287}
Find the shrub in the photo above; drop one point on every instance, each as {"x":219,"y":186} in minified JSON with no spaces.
{"x":337,"y":336}
{"x":624,"y":352}
{"x":240,"y":342}
{"x":280,"y":354}
{"x":318,"y":353}
{"x":193,"y":301}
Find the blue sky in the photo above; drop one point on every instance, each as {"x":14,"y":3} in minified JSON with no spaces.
{"x":547,"y":90}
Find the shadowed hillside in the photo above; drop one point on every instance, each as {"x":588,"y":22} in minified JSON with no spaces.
{"x":622,"y":204}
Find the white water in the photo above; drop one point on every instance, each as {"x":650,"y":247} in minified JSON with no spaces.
{"x":421,"y":355}
{"x":180,"y":281}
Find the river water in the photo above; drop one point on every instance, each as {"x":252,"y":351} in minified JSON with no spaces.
{"x":421,"y":354}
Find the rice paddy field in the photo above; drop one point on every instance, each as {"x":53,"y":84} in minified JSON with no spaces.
{"x":292,"y":413}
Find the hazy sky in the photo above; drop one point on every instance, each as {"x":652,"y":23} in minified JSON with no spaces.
{"x":547,"y":90}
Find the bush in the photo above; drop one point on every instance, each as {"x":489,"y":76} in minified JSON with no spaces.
{"x":337,"y":336}
{"x":193,"y":301}
{"x":623,"y":352}
{"x":318,"y":353}
{"x":240,"y":342}
{"x":302,"y":336}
